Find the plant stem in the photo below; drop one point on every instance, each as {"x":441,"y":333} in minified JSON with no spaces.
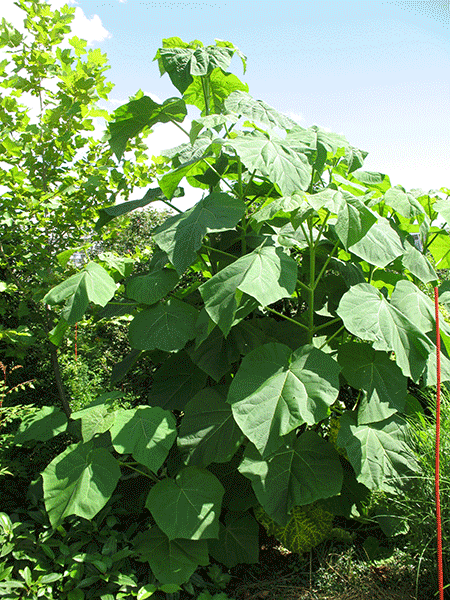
{"x":218,"y":174}
{"x":322,"y":270}
{"x":328,"y":340}
{"x":275,"y":312}
{"x":312,"y":275}
{"x":130,"y":466}
{"x":172,"y":206}
{"x":335,"y":320}
{"x":179,"y":127}
{"x":227,"y":254}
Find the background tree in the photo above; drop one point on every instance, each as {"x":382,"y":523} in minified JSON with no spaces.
{"x":54,"y":173}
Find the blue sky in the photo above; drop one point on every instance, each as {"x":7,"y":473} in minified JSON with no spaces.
{"x":376,"y":71}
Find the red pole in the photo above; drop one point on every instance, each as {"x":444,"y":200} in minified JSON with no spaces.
{"x":438,"y":435}
{"x":76,"y":333}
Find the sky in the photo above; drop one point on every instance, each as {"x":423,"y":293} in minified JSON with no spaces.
{"x":376,"y":71}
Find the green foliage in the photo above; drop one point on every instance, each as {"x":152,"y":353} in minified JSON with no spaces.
{"x":308,"y":526}
{"x":412,"y":510}
{"x":292,"y":281}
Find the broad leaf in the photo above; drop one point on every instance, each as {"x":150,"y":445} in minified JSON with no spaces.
{"x":354,"y":220}
{"x":215,"y":354}
{"x":182,"y":64}
{"x":175,"y":382}
{"x":404,"y":203}
{"x":440,"y":248}
{"x":80,"y":481}
{"x":130,"y":119}
{"x":244,"y":105}
{"x":108,"y":213}
{"x":418,"y":307}
{"x":374,"y":372}
{"x":325,"y":143}
{"x":146,"y":432}
{"x":267,"y":274}
{"x":92,"y":284}
{"x":377,"y":451}
{"x":380,"y":245}
{"x":367,"y":314}
{"x":188,"y":506}
{"x":275,"y":391}
{"x":304,"y":469}
{"x":171,"y":561}
{"x":272,"y":157}
{"x":208,"y":431}
{"x":148,"y":289}
{"x":280,"y":211}
{"x":181,"y":236}
{"x":94,"y":419}
{"x":221,"y":85}
{"x":238,"y":541}
{"x":42,"y":425}
{"x":164,"y":326}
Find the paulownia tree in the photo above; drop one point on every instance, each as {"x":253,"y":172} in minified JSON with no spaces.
{"x":282,"y":370}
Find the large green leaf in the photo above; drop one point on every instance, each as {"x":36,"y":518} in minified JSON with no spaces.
{"x":367,"y":314}
{"x":244,"y":105}
{"x":304,"y":469}
{"x":208,"y":431}
{"x":377,"y":451}
{"x":175,"y":382}
{"x":418,"y":307}
{"x":280,"y":211}
{"x":374,"y":372}
{"x":130,"y":119}
{"x":380,"y":244}
{"x":267,"y":274}
{"x":148,"y":433}
{"x":94,"y":419}
{"x":238,"y":541}
{"x":354,"y":220}
{"x":188,"y":506}
{"x":92,"y":284}
{"x":171,"y":561}
{"x":440,"y":249}
{"x":215,"y":354}
{"x":148,"y":289}
{"x":272,"y":157}
{"x":220,"y":86}
{"x":181,"y":236}
{"x":164,"y":326}
{"x":42,"y":425}
{"x":108,"y":213}
{"x":80,"y":481}
{"x":276,"y":390}
{"x":182,"y":64}
{"x":325,"y":143}
{"x":417,"y":263}
{"x":403,"y":202}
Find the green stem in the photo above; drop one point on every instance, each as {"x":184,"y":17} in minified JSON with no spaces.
{"x":322,"y":227}
{"x":275,"y":312}
{"x":218,"y":175}
{"x":303,"y":285}
{"x":130,"y":466}
{"x":312,"y":275}
{"x":205,"y":88}
{"x":227,"y":254}
{"x":249,"y":184}
{"x":325,"y":265}
{"x":171,"y":205}
{"x":179,"y":127}
{"x":328,"y":340}
{"x":335,"y":320}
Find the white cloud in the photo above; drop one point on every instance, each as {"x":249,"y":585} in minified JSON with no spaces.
{"x":90,"y":29}
{"x":297,"y":117}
